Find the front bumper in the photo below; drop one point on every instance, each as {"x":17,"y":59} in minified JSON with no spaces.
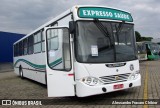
{"x":83,"y":90}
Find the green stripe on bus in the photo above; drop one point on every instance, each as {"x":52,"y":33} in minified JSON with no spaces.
{"x":38,"y":66}
{"x":55,"y":63}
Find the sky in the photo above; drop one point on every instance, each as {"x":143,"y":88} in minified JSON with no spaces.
{"x":24,"y":16}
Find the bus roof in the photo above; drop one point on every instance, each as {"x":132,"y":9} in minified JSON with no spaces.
{"x":69,"y":11}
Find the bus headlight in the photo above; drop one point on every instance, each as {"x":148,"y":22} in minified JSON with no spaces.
{"x":137,"y":74}
{"x":134,"y":75}
{"x":88,"y":80}
{"x":95,"y":80}
{"x":92,"y":81}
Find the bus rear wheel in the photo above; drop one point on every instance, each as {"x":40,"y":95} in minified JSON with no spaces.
{"x":21,"y":72}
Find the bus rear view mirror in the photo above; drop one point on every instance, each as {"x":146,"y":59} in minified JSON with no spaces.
{"x":71,"y":27}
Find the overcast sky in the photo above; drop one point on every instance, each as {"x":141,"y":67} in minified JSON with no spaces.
{"x":23,"y":16}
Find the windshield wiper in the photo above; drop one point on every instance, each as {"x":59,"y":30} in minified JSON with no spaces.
{"x":102,"y":28}
{"x":120,"y":26}
{"x":118,"y":29}
{"x":105,"y":31}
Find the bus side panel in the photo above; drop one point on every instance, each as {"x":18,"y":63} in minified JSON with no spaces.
{"x":33,"y":66}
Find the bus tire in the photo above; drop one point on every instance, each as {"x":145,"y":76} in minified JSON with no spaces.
{"x":21,"y":72}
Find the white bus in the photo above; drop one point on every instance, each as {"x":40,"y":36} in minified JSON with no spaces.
{"x":87,"y":50}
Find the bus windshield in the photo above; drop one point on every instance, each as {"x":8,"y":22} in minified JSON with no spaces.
{"x":105,"y":42}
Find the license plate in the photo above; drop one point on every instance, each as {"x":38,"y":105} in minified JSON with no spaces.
{"x":118,"y":86}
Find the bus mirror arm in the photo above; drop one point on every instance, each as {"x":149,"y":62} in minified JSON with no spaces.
{"x":71,"y":27}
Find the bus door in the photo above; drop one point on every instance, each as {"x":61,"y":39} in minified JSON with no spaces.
{"x":60,"y":77}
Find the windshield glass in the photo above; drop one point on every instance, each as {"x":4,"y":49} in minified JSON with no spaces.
{"x":111,"y":42}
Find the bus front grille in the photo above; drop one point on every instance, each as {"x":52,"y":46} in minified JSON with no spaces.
{"x":115,"y":78}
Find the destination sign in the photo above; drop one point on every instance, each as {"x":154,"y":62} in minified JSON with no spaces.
{"x":104,"y":13}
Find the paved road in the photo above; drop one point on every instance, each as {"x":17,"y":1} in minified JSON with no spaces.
{"x":13,"y":87}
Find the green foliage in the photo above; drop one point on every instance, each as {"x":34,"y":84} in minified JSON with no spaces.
{"x":146,"y":38}
{"x":140,"y":38}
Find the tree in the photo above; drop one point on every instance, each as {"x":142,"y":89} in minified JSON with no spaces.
{"x":146,"y":38}
{"x":138,"y":36}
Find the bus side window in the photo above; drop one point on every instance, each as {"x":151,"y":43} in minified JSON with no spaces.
{"x":25,"y":47}
{"x":30,"y":44}
{"x":17,"y":49}
{"x":43,"y":38}
{"x":20,"y":48}
{"x":14,"y":50}
{"x":37,"y":42}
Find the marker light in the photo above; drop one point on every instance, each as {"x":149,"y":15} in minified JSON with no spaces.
{"x":134,"y":75}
